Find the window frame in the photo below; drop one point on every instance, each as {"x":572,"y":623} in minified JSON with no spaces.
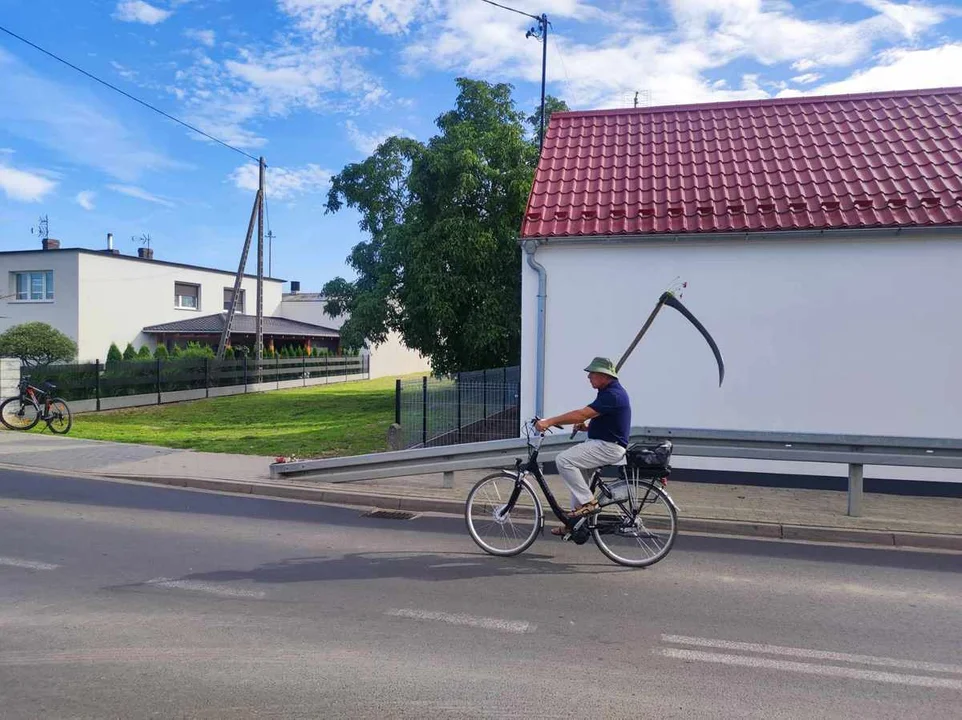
{"x":47,"y":286}
{"x":196,"y":296}
{"x":242,"y":306}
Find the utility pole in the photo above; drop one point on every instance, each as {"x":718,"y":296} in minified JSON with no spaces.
{"x":542,"y":34}
{"x":259,"y":341}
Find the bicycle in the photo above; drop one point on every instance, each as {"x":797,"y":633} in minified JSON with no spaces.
{"x":35,"y":403}
{"x":636,"y":525}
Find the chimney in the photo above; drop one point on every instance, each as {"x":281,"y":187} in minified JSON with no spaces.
{"x":51,"y":244}
{"x":295,"y":287}
{"x":111,"y":250}
{"x":145,"y":253}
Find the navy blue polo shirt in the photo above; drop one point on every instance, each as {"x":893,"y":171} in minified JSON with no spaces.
{"x":613,"y":423}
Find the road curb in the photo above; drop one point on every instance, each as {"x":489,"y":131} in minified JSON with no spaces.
{"x":699,"y":526}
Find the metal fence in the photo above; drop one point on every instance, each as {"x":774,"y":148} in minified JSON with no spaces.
{"x":155,"y":377}
{"x":467,"y":407}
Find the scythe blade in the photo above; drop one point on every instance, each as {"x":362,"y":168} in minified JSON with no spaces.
{"x":672,"y":301}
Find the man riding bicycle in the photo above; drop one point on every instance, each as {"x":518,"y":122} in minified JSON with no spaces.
{"x":608,"y":421}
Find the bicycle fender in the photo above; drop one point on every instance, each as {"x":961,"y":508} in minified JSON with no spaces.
{"x":671,"y":500}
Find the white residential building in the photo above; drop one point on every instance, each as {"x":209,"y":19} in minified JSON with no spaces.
{"x":821,"y":239}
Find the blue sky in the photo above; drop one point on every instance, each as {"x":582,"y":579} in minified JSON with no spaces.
{"x":315,"y":84}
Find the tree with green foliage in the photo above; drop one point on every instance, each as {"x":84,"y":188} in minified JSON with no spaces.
{"x":228,"y":353}
{"x":161,"y":353}
{"x":113,"y":355}
{"x":442,"y":265}
{"x":143,"y":353}
{"x":176,"y":352}
{"x":129,"y":352}
{"x":37,"y":344}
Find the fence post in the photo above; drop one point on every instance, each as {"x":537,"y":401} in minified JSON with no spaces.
{"x":397,"y":401}
{"x":457,"y":384}
{"x":424,"y":411}
{"x":97,"y":383}
{"x":277,"y":372}
{"x":245,"y":373}
{"x":304,"y":369}
{"x":855,"y":471}
{"x":504,"y":389}
{"x":327,"y":369}
{"x":158,"y":380}
{"x":484,"y":399}
{"x":206,"y":377}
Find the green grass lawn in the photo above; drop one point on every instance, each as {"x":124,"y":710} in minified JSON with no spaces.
{"x":323,"y":421}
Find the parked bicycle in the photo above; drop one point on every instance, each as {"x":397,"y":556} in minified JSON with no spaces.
{"x":34,"y":403}
{"x":636,"y":526}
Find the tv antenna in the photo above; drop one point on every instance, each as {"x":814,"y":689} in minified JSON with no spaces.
{"x":42,"y":229}
{"x":144,"y":239}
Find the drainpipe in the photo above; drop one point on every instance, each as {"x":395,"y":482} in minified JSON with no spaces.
{"x":530,"y":247}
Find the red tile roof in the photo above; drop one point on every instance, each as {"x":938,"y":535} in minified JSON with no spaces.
{"x":849,"y":161}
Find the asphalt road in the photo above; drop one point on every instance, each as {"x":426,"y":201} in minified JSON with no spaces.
{"x":128,"y":601}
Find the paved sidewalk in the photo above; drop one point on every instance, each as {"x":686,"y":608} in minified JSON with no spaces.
{"x":778,"y":513}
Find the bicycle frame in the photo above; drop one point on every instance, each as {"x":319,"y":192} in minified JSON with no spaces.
{"x":532,"y":466}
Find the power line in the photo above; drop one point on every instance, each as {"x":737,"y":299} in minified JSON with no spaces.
{"x":505,"y":7}
{"x":126,"y":94}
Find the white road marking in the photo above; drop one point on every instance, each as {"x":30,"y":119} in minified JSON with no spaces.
{"x":812,"y":668}
{"x":812,"y":654}
{"x":29,"y":564}
{"x":511,"y":626}
{"x":210,"y":588}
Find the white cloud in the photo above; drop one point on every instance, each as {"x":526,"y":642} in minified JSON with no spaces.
{"x":677,"y":62}
{"x":367,"y":142}
{"x":68,"y":120}
{"x":284,"y":183}
{"x":85,"y":199}
{"x":124,"y":72}
{"x":23,"y":185}
{"x":905,"y":70}
{"x":204,"y":37}
{"x":140,"y":12}
{"x":806,"y":78}
{"x":141,"y":194}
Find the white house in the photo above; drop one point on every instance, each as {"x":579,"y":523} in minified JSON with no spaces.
{"x":99,"y":297}
{"x":821,"y":240}
{"x":392,"y":357}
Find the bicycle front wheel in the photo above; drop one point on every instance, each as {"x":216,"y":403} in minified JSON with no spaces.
{"x":492,"y":526}
{"x":59,"y":420}
{"x":17,"y":414}
{"x":639,"y":531}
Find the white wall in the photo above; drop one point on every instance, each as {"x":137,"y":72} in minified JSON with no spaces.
{"x":122,"y":295}
{"x":846,"y":336}
{"x":392,"y":357}
{"x":61,"y":312}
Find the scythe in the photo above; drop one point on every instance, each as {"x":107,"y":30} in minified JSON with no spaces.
{"x":668,"y":298}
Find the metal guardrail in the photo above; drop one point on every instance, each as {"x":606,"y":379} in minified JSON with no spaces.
{"x":856,"y":451}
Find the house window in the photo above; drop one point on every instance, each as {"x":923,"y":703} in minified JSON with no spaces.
{"x":187,"y":296}
{"x":36,"y":285}
{"x":228,"y":296}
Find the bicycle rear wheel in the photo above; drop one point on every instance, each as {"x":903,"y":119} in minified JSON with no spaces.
{"x":19,"y":415}
{"x":495,"y":530}
{"x":639,"y":531}
{"x":59,"y":421}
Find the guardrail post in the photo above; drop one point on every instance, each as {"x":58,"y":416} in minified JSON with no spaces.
{"x":855,"y":471}
{"x":97,"y":383}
